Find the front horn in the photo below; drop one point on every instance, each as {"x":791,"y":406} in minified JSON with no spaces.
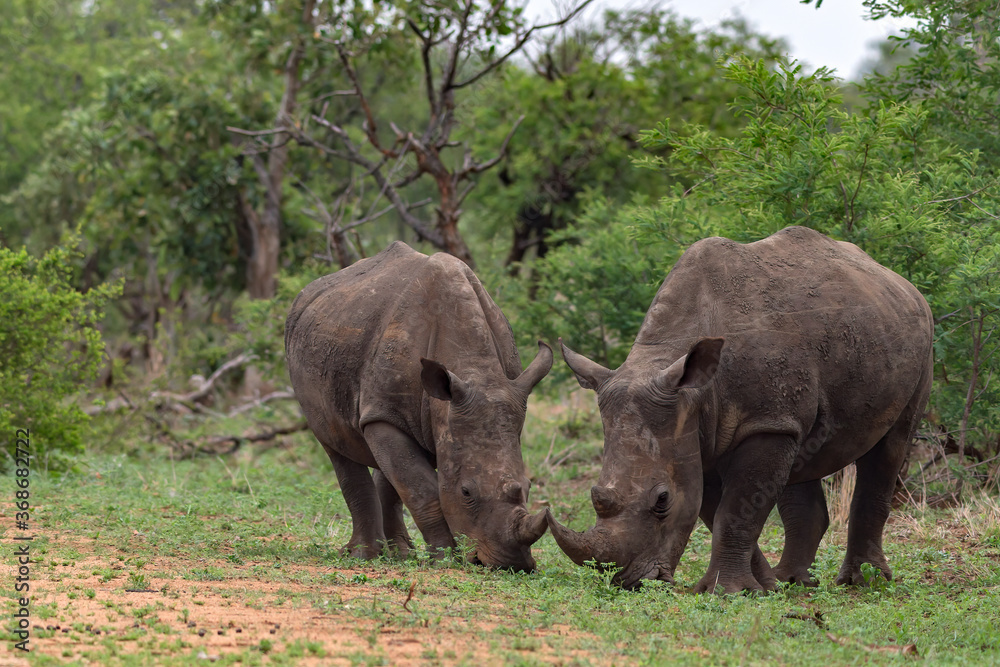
{"x":531,"y":528}
{"x":580,"y":547}
{"x":536,"y":370}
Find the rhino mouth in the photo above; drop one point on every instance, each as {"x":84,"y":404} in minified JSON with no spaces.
{"x":508,"y":564}
{"x":631,"y":578}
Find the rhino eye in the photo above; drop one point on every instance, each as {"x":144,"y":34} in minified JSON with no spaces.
{"x":466,"y":493}
{"x":662,"y":505}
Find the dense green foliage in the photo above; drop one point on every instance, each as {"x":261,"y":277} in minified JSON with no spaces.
{"x":211,"y":152}
{"x":50,"y":347}
{"x":880,"y":179}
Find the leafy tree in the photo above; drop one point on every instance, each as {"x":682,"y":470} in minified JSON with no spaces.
{"x":149,"y":172}
{"x":455,"y":47}
{"x":584,"y":99}
{"x":51,"y":59}
{"x":282,"y":37}
{"x":883,"y":180}
{"x":50,"y":348}
{"x":953,"y":78}
{"x":593,"y":289}
{"x":954,"y":72}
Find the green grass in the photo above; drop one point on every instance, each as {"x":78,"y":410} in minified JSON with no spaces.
{"x":279,"y":518}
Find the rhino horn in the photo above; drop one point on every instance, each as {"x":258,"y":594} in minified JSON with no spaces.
{"x":589,"y":374}
{"x":536,"y":370}
{"x":531,"y":528}
{"x":580,"y":547}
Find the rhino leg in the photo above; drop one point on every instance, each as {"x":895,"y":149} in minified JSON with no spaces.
{"x":803,"y":512}
{"x":356,"y":484}
{"x":711,"y":496}
{"x":752,"y":479}
{"x":876,"y":482}
{"x":397,"y":537}
{"x":407,"y":469}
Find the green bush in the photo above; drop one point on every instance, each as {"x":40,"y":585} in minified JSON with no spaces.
{"x":592,"y":288}
{"x":50,"y":349}
{"x":261,"y":322}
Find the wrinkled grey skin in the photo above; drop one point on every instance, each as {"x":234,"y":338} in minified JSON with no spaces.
{"x":759,"y":369}
{"x":403,"y":363}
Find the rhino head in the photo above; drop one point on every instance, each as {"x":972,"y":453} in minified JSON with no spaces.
{"x":481,"y":480}
{"x":649,"y":493}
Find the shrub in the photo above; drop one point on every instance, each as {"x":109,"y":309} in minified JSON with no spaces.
{"x":50,"y":349}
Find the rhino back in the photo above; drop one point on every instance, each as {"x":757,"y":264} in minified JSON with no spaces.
{"x":819,"y":337}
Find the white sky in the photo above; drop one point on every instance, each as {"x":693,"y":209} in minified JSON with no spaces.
{"x":836,"y":35}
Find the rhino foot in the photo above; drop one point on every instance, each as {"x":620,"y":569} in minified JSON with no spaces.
{"x":796,"y":575}
{"x":399,"y":548}
{"x":361,"y":551}
{"x":716,"y":581}
{"x":851,"y":574}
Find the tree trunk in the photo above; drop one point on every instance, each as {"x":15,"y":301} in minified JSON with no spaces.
{"x":454,"y":244}
{"x":265,"y":227}
{"x":448,"y":213}
{"x":342,"y":247}
{"x":262,"y":266}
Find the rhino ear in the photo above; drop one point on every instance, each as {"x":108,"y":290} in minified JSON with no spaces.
{"x":589,"y":374}
{"x":696,"y":368}
{"x":441,"y":383}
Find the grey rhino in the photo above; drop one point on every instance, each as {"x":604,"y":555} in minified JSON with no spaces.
{"x":403,"y":363}
{"x":758,"y":370}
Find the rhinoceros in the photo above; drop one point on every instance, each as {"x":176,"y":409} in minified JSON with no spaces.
{"x":758,"y":370}
{"x":403,"y":363}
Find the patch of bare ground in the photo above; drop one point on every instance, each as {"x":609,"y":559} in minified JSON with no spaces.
{"x":316,"y":610}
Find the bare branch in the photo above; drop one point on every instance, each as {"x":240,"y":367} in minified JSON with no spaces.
{"x":257,"y":133}
{"x":520,"y":42}
{"x":206,"y":386}
{"x":451,"y":69}
{"x":371,"y":127}
{"x":409,"y":178}
{"x":470,"y":167}
{"x":267,"y":398}
{"x":857,"y":189}
{"x":355,"y":156}
{"x":939,"y":320}
{"x":464,"y":193}
{"x":995,"y":217}
{"x":960,"y":198}
{"x":369,"y":218}
{"x":425,"y":58}
{"x":238,"y":440}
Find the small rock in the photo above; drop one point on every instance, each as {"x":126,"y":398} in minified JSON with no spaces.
{"x":201,"y":633}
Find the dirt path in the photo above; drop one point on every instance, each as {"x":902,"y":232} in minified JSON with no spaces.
{"x":90,"y":609}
